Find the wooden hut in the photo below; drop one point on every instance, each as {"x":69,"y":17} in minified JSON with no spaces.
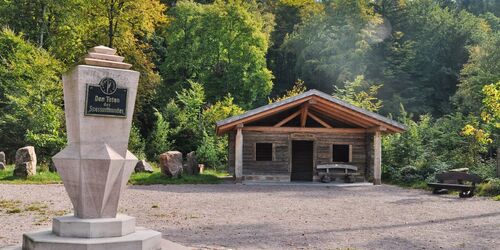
{"x":298,"y":138}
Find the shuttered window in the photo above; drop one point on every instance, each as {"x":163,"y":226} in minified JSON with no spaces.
{"x":263,"y":151}
{"x":341,"y":153}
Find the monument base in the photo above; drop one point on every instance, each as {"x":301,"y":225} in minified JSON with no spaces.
{"x":70,"y":232}
{"x":46,"y":240}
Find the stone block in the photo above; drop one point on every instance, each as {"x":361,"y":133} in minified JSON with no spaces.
{"x":2,"y":158}
{"x":141,"y":239}
{"x":71,"y":226}
{"x":171,"y":163}
{"x":25,"y":162}
{"x":2,"y":166}
{"x":143,"y":166}
{"x":94,"y":176}
{"x":192,"y":164}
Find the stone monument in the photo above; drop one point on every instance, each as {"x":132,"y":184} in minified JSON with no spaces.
{"x":95,"y":166}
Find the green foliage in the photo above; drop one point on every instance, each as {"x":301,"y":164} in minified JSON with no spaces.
{"x":30,"y":97}
{"x":158,"y":178}
{"x":490,"y":188}
{"x":159,"y":141}
{"x":185,"y":113}
{"x":481,"y":69}
{"x":332,"y":47}
{"x":136,"y":144}
{"x":220,"y":45}
{"x":429,"y":147}
{"x":360,"y":93}
{"x":213,"y":149}
{"x":297,"y":89}
{"x":209,"y":152}
{"x":420,"y":62}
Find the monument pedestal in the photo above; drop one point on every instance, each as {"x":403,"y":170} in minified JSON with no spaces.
{"x":99,"y":99}
{"x":69,"y":232}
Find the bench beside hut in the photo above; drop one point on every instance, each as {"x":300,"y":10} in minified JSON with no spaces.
{"x":288,"y":139}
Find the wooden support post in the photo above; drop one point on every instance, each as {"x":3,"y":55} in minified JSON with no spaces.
{"x":377,"y":158}
{"x":238,"y":153}
{"x":303,"y":114}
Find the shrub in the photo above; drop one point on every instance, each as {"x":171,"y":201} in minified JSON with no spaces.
{"x":159,"y":140}
{"x":490,"y":188}
{"x":136,"y":144}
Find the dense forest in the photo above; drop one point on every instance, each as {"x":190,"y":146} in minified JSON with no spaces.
{"x":432,"y":64}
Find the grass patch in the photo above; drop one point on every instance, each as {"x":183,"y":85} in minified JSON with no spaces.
{"x":208,"y":177}
{"x":45,"y":177}
{"x":41,"y":177}
{"x":159,"y":178}
{"x":496,"y":198}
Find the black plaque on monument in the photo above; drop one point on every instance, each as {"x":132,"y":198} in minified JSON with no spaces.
{"x":106,"y":99}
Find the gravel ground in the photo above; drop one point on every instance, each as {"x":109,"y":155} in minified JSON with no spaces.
{"x":278,"y":217}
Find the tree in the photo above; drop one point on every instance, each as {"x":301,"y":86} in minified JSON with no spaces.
{"x":220,"y":45}
{"x":360,"y":93}
{"x":213,"y":149}
{"x":288,"y":14}
{"x":30,"y":97}
{"x":481,"y":69}
{"x":424,"y":55}
{"x":159,"y":140}
{"x":298,"y":88}
{"x":332,"y":47}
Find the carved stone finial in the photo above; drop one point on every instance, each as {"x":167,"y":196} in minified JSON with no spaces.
{"x":105,"y":57}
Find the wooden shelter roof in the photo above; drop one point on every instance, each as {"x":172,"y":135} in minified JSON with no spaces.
{"x":314,"y":104}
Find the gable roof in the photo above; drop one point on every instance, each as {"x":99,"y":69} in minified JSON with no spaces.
{"x":329,"y":104}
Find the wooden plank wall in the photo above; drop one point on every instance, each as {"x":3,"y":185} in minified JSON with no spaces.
{"x":281,"y":143}
{"x":280,"y":163}
{"x":324,"y":144}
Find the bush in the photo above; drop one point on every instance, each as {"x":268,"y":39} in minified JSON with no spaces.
{"x":429,"y":147}
{"x":490,"y":188}
{"x":159,"y":140}
{"x":136,"y":144}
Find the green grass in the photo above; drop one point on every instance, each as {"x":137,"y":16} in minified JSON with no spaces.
{"x":41,"y":177}
{"x":207,"y":177}
{"x":45,"y":177}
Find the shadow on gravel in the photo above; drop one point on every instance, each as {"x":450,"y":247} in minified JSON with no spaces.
{"x":265,"y":235}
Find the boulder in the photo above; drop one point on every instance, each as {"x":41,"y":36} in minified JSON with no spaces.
{"x":25,"y":162}
{"x":2,"y":158}
{"x":191,"y":164}
{"x":143,"y":166}
{"x":171,"y":163}
{"x":2,"y":166}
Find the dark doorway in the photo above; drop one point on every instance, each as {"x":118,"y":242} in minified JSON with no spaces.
{"x":302,"y":160}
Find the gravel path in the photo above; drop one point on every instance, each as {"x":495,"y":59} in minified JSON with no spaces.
{"x":278,"y":217}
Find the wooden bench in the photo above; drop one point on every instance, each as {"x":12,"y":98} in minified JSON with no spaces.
{"x":349,"y":172}
{"x":463,"y":182}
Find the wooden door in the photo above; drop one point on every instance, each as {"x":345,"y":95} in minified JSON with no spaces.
{"x":302,"y":160}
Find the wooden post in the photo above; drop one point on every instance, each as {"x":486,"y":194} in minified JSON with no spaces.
{"x":238,"y":153}
{"x":377,"y":158}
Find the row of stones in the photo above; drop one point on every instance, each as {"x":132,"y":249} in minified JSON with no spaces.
{"x":25,"y":161}
{"x":171,"y":163}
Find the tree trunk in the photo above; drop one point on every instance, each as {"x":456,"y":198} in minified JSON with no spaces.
{"x":498,"y":161}
{"x":43,"y":25}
